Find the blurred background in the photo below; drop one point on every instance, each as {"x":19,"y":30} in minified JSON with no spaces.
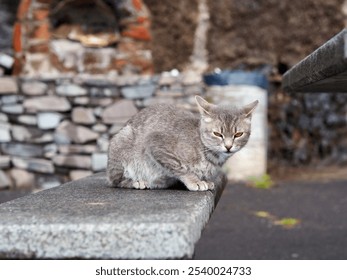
{"x":73,"y":72}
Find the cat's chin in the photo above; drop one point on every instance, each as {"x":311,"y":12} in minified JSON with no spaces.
{"x":229,"y":153}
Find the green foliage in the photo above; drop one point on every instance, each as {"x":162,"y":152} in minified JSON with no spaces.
{"x":261,"y":182}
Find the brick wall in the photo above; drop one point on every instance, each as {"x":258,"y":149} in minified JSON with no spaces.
{"x":44,"y":44}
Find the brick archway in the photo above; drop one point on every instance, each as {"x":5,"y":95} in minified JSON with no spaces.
{"x":50,"y":38}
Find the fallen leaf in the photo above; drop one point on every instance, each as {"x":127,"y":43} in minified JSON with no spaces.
{"x":261,"y":182}
{"x":287,"y":222}
{"x":263,"y":214}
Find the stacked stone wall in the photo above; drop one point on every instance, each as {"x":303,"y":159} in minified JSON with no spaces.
{"x":57,"y":129}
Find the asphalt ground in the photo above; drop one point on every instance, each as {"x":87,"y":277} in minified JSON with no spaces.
{"x":247,"y":223}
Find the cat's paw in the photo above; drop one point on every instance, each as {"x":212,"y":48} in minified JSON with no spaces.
{"x":200,"y":186}
{"x":140,"y":185}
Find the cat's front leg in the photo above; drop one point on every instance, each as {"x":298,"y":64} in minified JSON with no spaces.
{"x":173,"y":162}
{"x":131,"y":184}
{"x":140,"y":185}
{"x":193,"y":183}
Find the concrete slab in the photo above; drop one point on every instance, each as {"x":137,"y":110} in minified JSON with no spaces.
{"x":325,"y":70}
{"x":87,"y":219}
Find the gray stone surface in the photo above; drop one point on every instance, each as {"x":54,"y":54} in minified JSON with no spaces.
{"x":27,"y":119}
{"x":3,"y":117}
{"x":83,"y":115}
{"x":30,"y":134}
{"x":8,"y":85}
{"x":10,"y":99}
{"x":77,"y":149}
{"x":34,"y":88}
{"x":125,"y":80}
{"x":15,"y":109}
{"x":87,"y":219}
{"x":47,"y":103}
{"x":4,"y":180}
{"x":92,"y":80}
{"x":22,"y":133}
{"x":50,"y":150}
{"x":325,"y":70}
{"x":5,"y":135}
{"x":48,"y":120}
{"x":82,"y":100}
{"x":5,"y":162}
{"x":42,"y":139}
{"x":136,"y":92}
{"x":22,"y":179}
{"x":99,"y":127}
{"x":34,"y":164}
{"x":74,"y":133}
{"x":93,"y":101}
{"x":100,"y":101}
{"x":79,"y":174}
{"x":70,"y":90}
{"x":115,"y":128}
{"x":74,"y":161}
{"x":99,"y":161}
{"x":21,"y":149}
{"x":166,"y":79}
{"x":112,"y":92}
{"x":120,"y":111}
{"x":102,"y":143}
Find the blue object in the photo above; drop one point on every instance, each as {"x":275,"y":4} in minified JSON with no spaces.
{"x":236,"y":77}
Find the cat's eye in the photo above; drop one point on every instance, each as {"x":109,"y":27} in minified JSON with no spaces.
{"x":215,"y":133}
{"x":238,"y":134}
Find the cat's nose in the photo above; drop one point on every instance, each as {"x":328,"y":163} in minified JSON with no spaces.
{"x":228,"y":144}
{"x":228,"y":147}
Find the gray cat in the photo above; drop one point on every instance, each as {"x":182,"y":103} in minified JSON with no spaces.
{"x":163,"y":144}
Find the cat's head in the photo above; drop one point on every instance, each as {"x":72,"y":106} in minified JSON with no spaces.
{"x":225,"y":129}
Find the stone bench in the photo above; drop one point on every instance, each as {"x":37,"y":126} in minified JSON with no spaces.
{"x":87,"y":219}
{"x":325,"y":70}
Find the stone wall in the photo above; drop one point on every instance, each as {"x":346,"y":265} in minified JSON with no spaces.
{"x":307,"y":128}
{"x":55,"y":130}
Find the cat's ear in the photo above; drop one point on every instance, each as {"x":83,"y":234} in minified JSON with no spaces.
{"x":204,"y":108}
{"x":248,"y":109}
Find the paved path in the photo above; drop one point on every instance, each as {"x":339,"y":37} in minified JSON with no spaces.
{"x":235,"y":232}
